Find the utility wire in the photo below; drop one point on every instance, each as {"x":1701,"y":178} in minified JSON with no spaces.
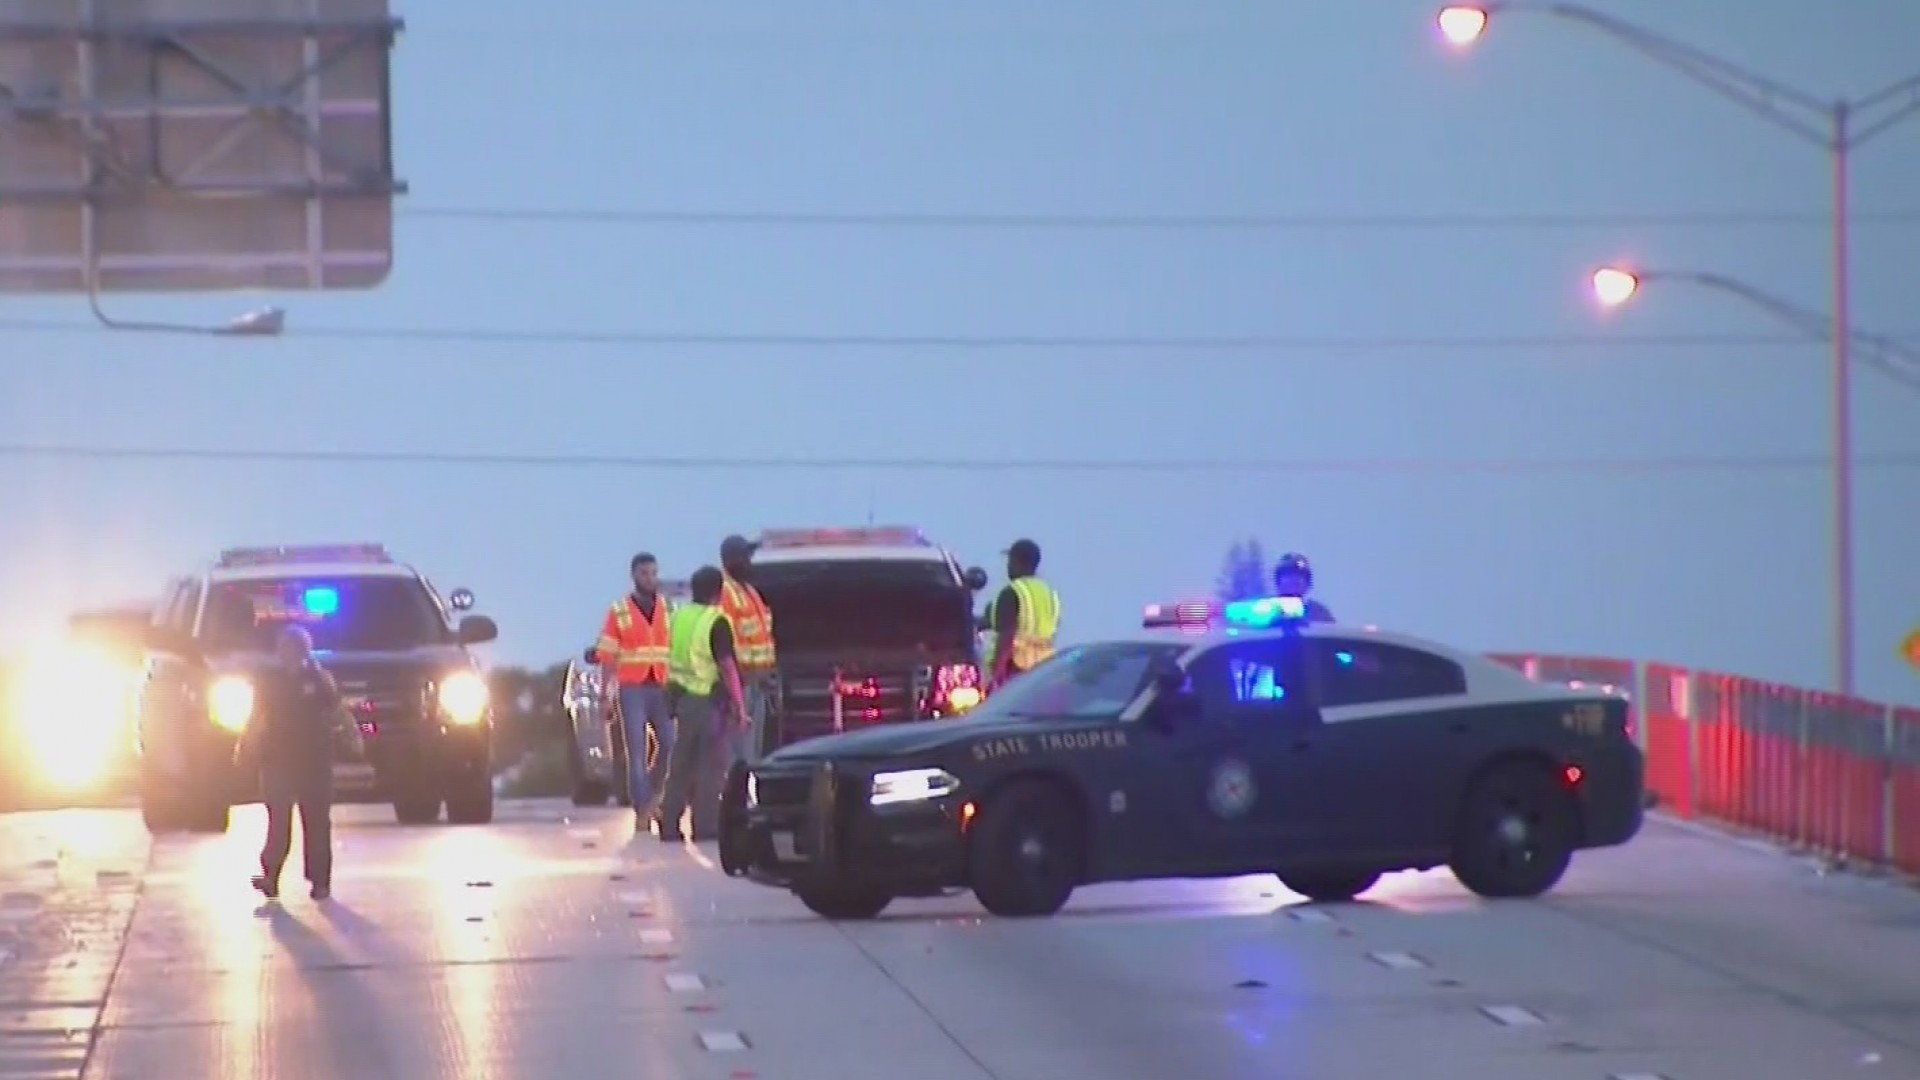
{"x":1253,"y":343}
{"x":1673,"y":464}
{"x":1700,"y":219}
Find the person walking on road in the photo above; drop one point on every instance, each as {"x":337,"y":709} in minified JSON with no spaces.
{"x":710,"y":709}
{"x":1024,"y":618}
{"x":298,"y":721}
{"x":633,"y":651}
{"x":752,"y":623}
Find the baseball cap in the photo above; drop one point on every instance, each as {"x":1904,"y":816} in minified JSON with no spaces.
{"x":1024,"y":550}
{"x":737,"y":545}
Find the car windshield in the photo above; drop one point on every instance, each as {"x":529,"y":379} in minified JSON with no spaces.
{"x":354,"y":614}
{"x":1083,"y":682}
{"x":840,"y":604}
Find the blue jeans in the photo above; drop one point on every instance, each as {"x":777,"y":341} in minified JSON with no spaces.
{"x":640,"y":707}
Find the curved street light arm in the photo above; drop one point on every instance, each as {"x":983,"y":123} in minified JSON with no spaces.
{"x":1767,"y":97}
{"x":1896,"y":104}
{"x":1886,"y":355}
{"x":267,"y":322}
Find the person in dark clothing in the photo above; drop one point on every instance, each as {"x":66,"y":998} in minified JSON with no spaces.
{"x":710,"y":706}
{"x":1293,"y":576}
{"x":298,"y":720}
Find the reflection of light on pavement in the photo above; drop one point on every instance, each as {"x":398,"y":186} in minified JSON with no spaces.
{"x":469,"y":932}
{"x":73,"y":704}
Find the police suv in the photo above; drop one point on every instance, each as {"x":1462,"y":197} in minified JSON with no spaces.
{"x":413,"y":688}
{"x":871,"y":626}
{"x":1228,"y":742}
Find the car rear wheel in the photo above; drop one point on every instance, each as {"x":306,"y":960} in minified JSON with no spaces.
{"x":1518,"y":830}
{"x":1329,"y":886}
{"x":844,"y":901}
{"x":1028,"y":851}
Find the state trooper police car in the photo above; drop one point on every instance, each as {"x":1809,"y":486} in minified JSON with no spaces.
{"x":1250,"y":743}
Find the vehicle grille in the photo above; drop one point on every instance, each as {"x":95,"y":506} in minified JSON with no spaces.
{"x":382,"y":699}
{"x":807,"y":693}
{"x":782,"y":791}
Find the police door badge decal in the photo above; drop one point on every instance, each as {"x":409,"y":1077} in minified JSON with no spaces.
{"x":1232,"y":792}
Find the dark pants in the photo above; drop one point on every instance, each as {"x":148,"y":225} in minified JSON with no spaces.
{"x":316,"y":839}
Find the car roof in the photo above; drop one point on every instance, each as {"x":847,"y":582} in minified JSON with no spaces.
{"x":277,"y":571}
{"x":850,"y":553}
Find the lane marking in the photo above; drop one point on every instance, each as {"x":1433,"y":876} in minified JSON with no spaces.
{"x":1512,"y":1015}
{"x":656,"y":937}
{"x":684,"y":982}
{"x":1308,"y":915}
{"x":1636,"y":1076}
{"x":1398,"y":961}
{"x":722,"y":1042}
{"x":637,"y":899}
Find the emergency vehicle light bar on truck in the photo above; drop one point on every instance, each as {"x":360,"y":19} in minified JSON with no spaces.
{"x":873,"y":536}
{"x":297,"y":554}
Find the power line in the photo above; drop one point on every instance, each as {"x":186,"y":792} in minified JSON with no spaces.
{"x":480,"y":459}
{"x":1696,"y":219}
{"x":1252,"y":343}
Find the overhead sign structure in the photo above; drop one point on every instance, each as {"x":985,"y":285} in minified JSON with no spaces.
{"x":195,"y":145}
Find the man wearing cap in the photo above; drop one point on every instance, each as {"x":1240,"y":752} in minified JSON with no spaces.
{"x":1024,"y":618}
{"x":633,"y":654}
{"x":752,"y":623}
{"x":298,"y":727}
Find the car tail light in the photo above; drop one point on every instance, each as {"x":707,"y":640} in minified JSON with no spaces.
{"x":956,"y":688}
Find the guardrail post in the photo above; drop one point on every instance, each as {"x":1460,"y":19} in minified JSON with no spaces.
{"x":1887,"y":773}
{"x":1802,"y":763}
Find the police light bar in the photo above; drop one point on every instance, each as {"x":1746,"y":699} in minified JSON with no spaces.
{"x":872,"y":536}
{"x":289,"y":554}
{"x":1188,"y":614}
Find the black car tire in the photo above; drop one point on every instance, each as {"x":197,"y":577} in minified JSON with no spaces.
{"x":590,"y":793}
{"x":1329,"y":886}
{"x":1027,"y":852}
{"x":1517,"y":832}
{"x":470,"y":800}
{"x":844,"y":902}
{"x":416,"y":809}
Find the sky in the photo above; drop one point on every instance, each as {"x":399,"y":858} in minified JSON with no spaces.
{"x":1436,"y":412}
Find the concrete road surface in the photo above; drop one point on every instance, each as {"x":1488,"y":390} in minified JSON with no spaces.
{"x":549,"y":945}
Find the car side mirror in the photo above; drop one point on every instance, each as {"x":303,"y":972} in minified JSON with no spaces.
{"x":976,"y":579}
{"x":1173,"y":702}
{"x":461,"y":600}
{"x":591,"y":655}
{"x":477,"y":630}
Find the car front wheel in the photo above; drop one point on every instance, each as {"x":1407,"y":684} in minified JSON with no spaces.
{"x":844,"y":901}
{"x":1028,"y":851}
{"x":1329,"y":886}
{"x":1517,"y":832}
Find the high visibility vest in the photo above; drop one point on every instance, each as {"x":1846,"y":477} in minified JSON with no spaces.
{"x":635,"y":645}
{"x":690,"y":662}
{"x":1039,"y":622}
{"x":752,"y":624}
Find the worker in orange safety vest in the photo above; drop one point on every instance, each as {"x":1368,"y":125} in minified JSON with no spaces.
{"x":633,"y":650}
{"x":752,"y":623}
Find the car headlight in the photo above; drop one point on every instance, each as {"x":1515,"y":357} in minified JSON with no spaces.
{"x":463,"y":698}
{"x":911,"y":785}
{"x":230,"y":703}
{"x":964,"y":698}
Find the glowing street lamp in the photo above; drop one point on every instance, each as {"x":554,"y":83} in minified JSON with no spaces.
{"x":1613,"y":286}
{"x":1462,"y":24}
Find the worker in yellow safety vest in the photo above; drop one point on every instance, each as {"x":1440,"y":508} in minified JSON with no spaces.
{"x":1024,"y":618}
{"x":632,"y":651}
{"x":709,"y":708}
{"x":753,"y":636}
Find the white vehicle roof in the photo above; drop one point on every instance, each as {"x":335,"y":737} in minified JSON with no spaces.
{"x":846,"y":552}
{"x":306,"y":570}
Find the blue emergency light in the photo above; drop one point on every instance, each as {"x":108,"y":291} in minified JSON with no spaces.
{"x":320,"y":601}
{"x":1266,"y":612}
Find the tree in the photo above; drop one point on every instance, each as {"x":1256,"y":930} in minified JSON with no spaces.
{"x":1243,"y":576}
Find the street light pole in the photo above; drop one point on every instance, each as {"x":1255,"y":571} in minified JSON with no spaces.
{"x":1840,"y":128}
